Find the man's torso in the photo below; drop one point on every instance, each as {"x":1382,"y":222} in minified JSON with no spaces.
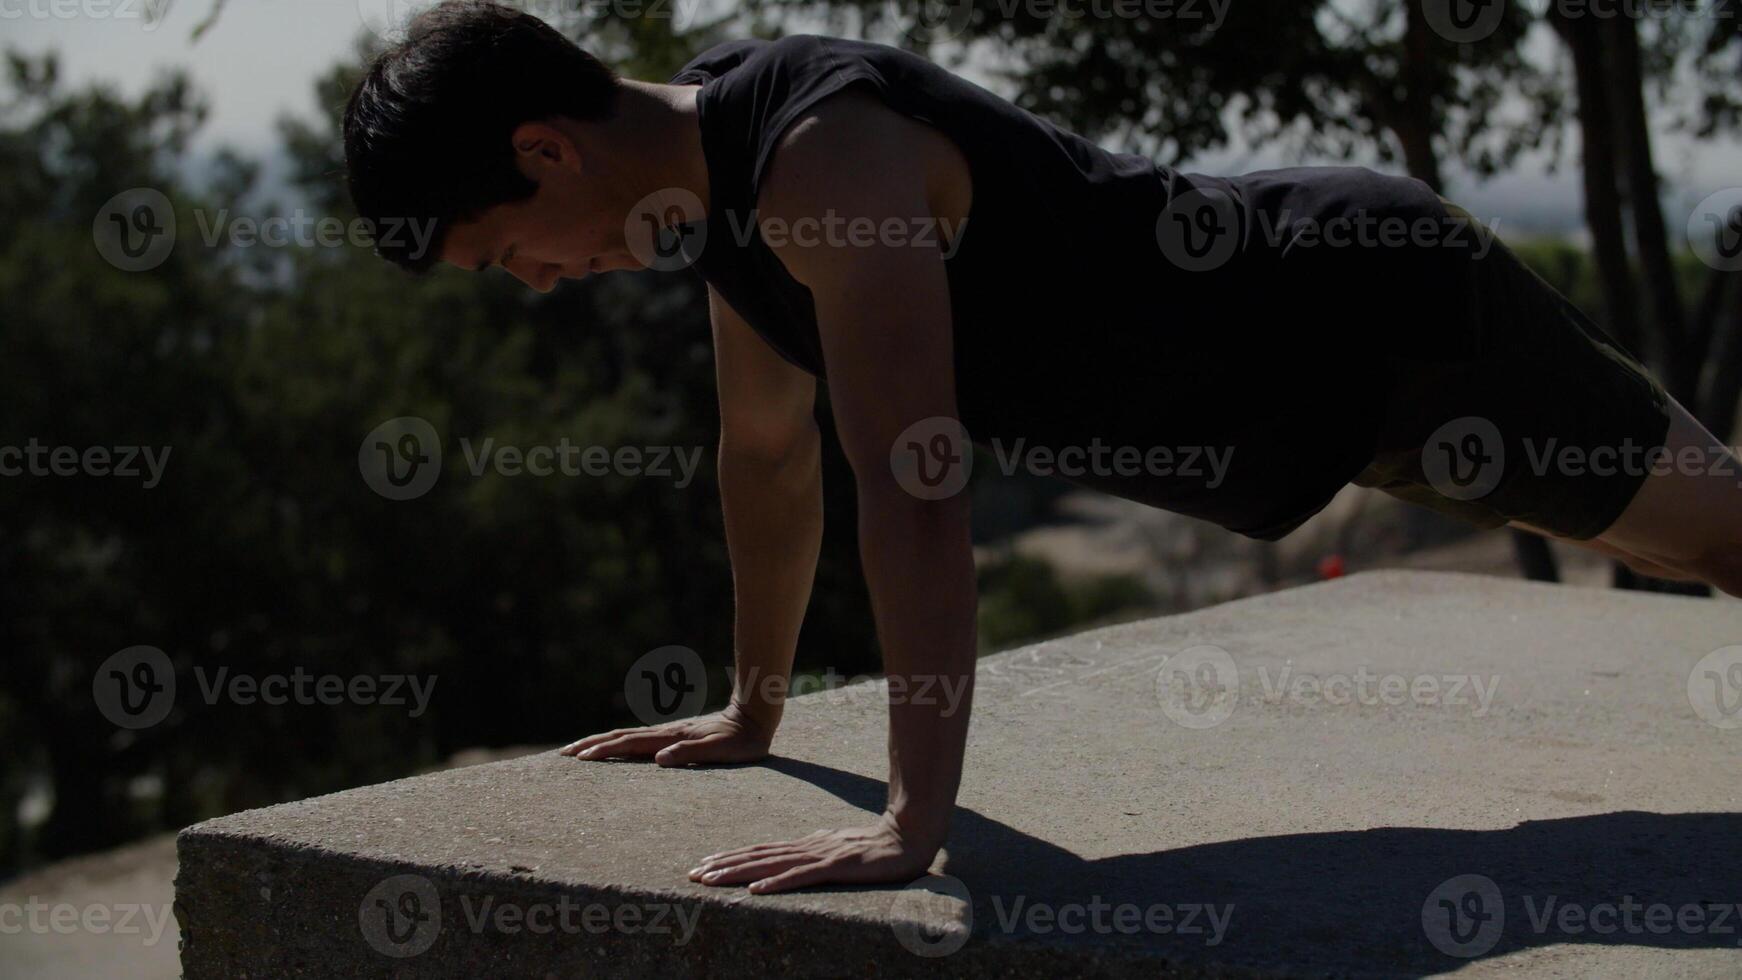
{"x":1101,"y":299}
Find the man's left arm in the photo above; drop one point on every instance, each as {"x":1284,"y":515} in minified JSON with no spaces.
{"x":883,"y":310}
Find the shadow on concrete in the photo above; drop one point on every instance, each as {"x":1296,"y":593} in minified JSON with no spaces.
{"x":1398,"y":900}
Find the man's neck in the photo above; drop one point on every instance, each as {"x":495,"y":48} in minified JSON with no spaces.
{"x":655,"y":141}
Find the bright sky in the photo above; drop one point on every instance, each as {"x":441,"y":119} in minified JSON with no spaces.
{"x":259,"y":62}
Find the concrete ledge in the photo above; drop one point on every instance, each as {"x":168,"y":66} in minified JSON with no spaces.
{"x":1118,"y":780}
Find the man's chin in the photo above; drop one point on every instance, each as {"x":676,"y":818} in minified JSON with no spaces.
{"x":600,"y":263}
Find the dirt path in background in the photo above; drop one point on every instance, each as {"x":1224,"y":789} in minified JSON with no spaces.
{"x":102,"y":915}
{"x":110,"y":914}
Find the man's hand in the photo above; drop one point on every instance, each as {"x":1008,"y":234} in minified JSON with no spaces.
{"x":730,"y":736}
{"x":859,"y":856}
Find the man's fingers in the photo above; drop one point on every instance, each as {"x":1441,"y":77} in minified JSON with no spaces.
{"x":755,"y":868}
{"x":641,"y":743}
{"x":741,"y":856}
{"x":746,"y":851}
{"x":581,"y":745}
{"x":811,"y":873}
{"x":692,"y":750}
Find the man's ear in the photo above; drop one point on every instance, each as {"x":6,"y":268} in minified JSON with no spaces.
{"x":540,"y":146}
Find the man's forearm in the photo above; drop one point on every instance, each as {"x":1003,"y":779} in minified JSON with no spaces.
{"x":919,"y":564}
{"x":774,"y":527}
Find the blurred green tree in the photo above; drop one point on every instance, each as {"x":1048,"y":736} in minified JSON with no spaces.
{"x":263,"y":551}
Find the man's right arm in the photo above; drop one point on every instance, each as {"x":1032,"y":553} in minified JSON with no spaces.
{"x":770,"y":472}
{"x":771,"y":487}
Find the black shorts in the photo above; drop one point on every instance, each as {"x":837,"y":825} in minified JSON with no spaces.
{"x":1544,"y":419}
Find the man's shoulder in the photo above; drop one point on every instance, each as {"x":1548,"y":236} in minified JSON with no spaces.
{"x":717,"y":60}
{"x":721,"y":58}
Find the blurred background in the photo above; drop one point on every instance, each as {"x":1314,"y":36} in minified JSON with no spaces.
{"x":1601,"y":141}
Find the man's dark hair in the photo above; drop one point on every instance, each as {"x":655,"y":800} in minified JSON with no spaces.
{"x":428,"y":130}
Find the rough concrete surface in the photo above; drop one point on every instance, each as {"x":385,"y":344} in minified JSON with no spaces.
{"x":1123,"y":796}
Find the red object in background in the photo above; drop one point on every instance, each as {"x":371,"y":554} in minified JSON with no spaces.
{"x":1331,"y":566}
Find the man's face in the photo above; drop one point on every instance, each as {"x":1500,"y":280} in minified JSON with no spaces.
{"x":572,"y":226}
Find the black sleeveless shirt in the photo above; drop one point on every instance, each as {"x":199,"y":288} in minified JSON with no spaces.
{"x":1099,"y":299}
